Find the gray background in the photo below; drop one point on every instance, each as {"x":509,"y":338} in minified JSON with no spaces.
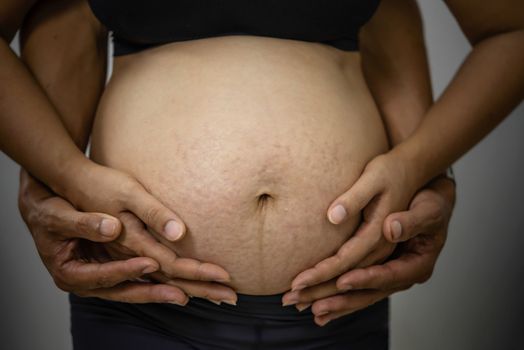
{"x":473,"y":300}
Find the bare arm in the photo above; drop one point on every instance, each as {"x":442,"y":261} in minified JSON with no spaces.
{"x":488,"y":85}
{"x":29,"y":124}
{"x":395,"y":66}
{"x":64,"y":49}
{"x":33,"y":134}
{"x":70,"y":65}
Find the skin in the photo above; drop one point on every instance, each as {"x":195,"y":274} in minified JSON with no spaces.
{"x":469,"y":104}
{"x":39,"y":204}
{"x":396,"y":70}
{"x":191,"y":122}
{"x":37,"y":113}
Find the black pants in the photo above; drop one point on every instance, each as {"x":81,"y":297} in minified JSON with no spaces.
{"x":257,"y":322}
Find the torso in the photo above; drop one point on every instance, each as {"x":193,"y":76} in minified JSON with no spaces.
{"x":248,"y":139}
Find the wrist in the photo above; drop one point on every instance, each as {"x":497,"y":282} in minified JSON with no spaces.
{"x":72,"y":175}
{"x":413,"y":169}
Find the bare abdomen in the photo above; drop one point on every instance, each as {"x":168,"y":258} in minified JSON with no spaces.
{"x":249,"y":140}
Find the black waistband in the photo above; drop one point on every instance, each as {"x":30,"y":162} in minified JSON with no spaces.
{"x":257,"y":322}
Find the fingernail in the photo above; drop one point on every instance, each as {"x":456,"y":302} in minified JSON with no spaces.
{"x":149,"y":269}
{"x":324,"y":322}
{"x":107,"y":227}
{"x":290,"y":299}
{"x":173,"y":230}
{"x":177,"y":303}
{"x":302,"y":307}
{"x":230,"y":302}
{"x":299,"y":287}
{"x":337,"y":214}
{"x":346,"y":288}
{"x":322,"y":313}
{"x":396,"y":230}
{"x":289,"y":302}
{"x":218,"y":302}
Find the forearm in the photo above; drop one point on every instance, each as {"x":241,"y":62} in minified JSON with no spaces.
{"x":30,"y":130}
{"x":488,"y":85}
{"x":395,"y":66}
{"x":69,"y":65}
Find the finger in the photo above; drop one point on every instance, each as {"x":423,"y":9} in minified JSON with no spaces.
{"x":310,"y":294}
{"x":302,"y":306}
{"x":355,"y":199}
{"x":215,"y":292}
{"x":138,"y":239}
{"x":401,"y":273}
{"x":349,"y":254}
{"x":96,"y":227}
{"x":328,"y":309}
{"x":154,"y":214}
{"x":79,"y":275}
{"x":195,"y":270}
{"x":138,"y":293}
{"x":380,"y":254}
{"x":423,"y":216}
{"x":61,"y":218}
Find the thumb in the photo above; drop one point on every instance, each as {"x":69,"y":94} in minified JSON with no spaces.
{"x":353,"y":200}
{"x":155,"y":215}
{"x":96,"y":227}
{"x":421,"y":218}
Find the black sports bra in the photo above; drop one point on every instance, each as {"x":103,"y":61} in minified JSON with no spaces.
{"x":138,"y":25}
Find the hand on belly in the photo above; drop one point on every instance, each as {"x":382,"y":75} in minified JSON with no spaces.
{"x":263,"y":239}
{"x":249,"y":154}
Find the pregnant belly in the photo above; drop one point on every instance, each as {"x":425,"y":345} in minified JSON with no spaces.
{"x":248,"y":139}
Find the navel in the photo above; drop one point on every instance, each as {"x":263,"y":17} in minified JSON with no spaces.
{"x":263,"y":200}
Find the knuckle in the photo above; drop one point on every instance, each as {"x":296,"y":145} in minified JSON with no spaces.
{"x":152,"y":214}
{"x":82,"y":224}
{"x":103,"y":279}
{"x":170,"y":267}
{"x":435,"y":214}
{"x":40,"y":217}
{"x":340,"y":265}
{"x":127,"y":190}
{"x":199,"y":272}
{"x":127,"y":219}
{"x":372,"y":274}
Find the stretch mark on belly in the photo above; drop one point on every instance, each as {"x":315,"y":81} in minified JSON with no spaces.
{"x":263,"y":201}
